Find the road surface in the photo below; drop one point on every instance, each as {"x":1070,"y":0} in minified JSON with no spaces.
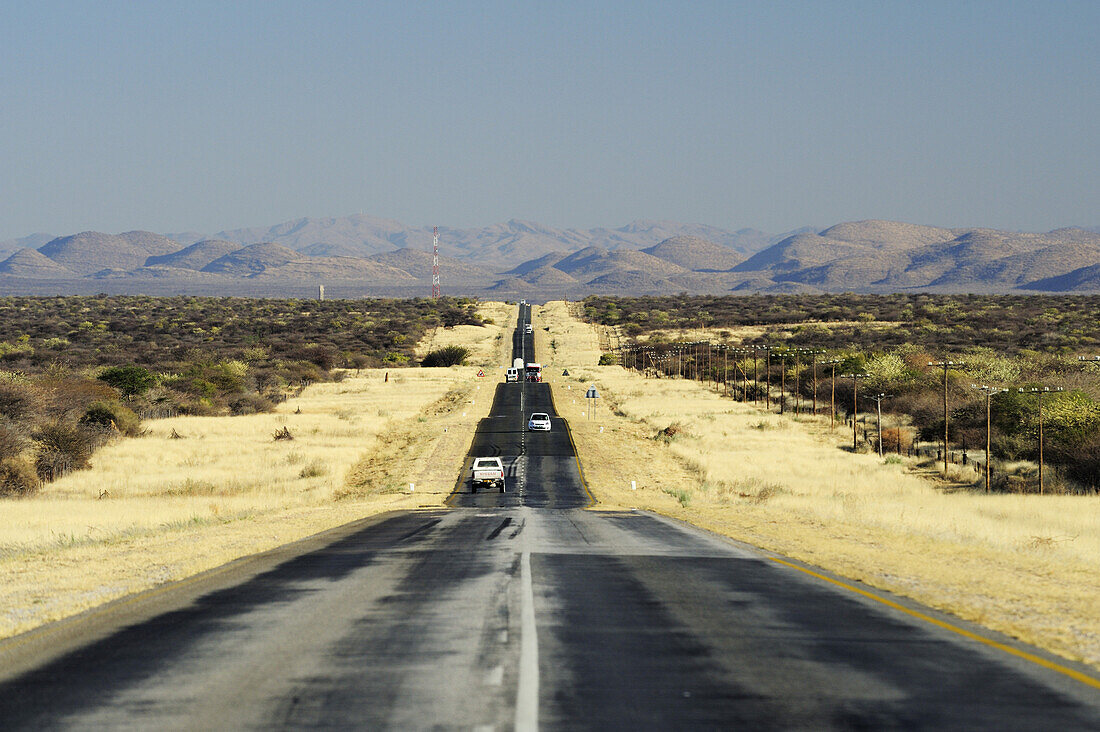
{"x":521,"y":610}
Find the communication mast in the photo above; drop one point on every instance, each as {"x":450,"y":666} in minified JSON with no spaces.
{"x":435,"y":261}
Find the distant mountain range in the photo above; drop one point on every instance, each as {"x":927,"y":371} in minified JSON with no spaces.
{"x":361,"y":255}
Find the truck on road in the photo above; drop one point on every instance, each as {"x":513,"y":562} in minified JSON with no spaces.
{"x":533,"y":372}
{"x":488,"y":471}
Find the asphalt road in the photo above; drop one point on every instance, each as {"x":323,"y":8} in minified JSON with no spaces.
{"x":541,"y":468}
{"x":512,"y":610}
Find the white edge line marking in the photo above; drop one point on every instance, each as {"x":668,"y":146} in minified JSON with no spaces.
{"x":527,"y":694}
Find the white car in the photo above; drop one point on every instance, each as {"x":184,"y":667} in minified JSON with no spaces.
{"x":539,"y":421}
{"x":528,"y":328}
{"x":488,"y":471}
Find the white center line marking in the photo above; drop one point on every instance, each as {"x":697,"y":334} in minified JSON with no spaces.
{"x":495,"y":677}
{"x":527,"y":695}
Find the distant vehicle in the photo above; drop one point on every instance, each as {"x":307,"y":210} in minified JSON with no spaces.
{"x":511,"y":375}
{"x":528,"y":328}
{"x":517,"y":364}
{"x":539,"y":421}
{"x":533,"y":372}
{"x":488,"y":471}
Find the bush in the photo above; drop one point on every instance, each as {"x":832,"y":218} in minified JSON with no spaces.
{"x":896,"y":439}
{"x":15,"y":401}
{"x":322,"y":357}
{"x":17,"y":478}
{"x":61,"y":449}
{"x":446,"y":356}
{"x":608,"y":359}
{"x":130,"y":380}
{"x":250,"y":404}
{"x":1080,"y":461}
{"x":12,"y":443}
{"x":68,"y":399}
{"x":108,"y":414}
{"x":314,"y":469}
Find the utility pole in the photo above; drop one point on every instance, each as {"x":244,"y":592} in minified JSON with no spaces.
{"x":739,"y":364}
{"x":797,"y":380}
{"x":755,"y":374}
{"x":946,"y":365}
{"x":833,"y":363}
{"x":745,"y":373}
{"x":1040,"y":391}
{"x":435,"y":262}
{"x":783,"y":356}
{"x":989,"y":392}
{"x":855,"y":404}
{"x":768,"y":379}
{"x":878,"y":406}
{"x":814,"y":353}
{"x":726,"y":350}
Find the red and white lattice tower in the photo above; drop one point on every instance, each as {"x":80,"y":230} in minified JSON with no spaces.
{"x":435,"y":261}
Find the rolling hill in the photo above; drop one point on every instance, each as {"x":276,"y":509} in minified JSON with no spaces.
{"x":879,"y":256}
{"x":380,"y":256}
{"x":33,"y":263}
{"x":90,"y":251}
{"x":196,"y":256}
{"x":696,"y":254}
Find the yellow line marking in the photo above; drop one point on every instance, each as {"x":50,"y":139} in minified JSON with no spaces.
{"x":1038,"y":661}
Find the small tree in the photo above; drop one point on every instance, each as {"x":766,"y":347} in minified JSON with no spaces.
{"x":131,"y":380}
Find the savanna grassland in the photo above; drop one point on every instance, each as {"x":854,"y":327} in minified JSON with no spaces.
{"x":1015,"y":346}
{"x":193,"y":491}
{"x":74,"y":371}
{"x":1020,"y":563}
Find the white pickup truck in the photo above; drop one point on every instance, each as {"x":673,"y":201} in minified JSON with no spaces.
{"x":488,"y":471}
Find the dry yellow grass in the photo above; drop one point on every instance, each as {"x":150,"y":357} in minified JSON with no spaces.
{"x":171,"y":508}
{"x":1026,"y":565}
{"x":483,"y":343}
{"x":561,"y":340}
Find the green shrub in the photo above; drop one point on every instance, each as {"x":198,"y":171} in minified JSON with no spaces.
{"x":15,"y":351}
{"x":446,"y":356}
{"x":608,"y":359}
{"x":106,"y":414}
{"x":131,"y":380}
{"x":680,"y":495}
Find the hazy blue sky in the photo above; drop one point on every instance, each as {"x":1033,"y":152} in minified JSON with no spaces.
{"x":213,"y":115}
